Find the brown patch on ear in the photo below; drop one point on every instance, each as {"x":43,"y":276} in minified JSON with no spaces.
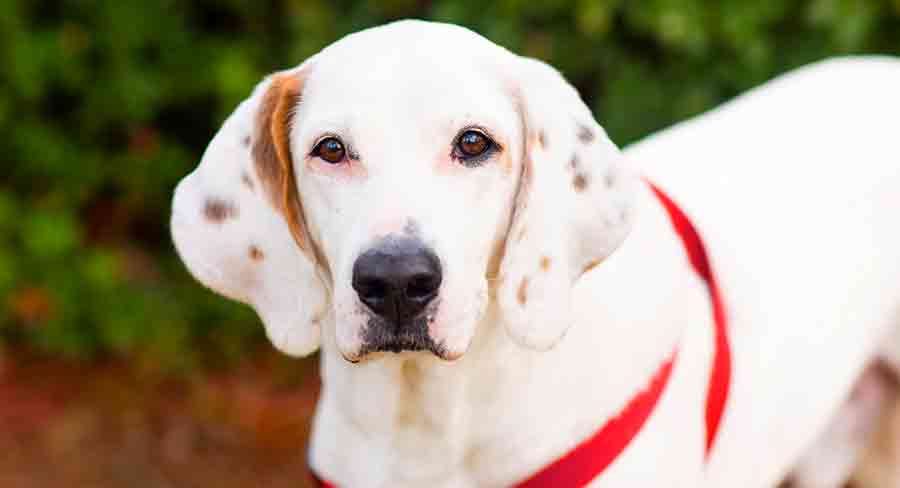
{"x":545,"y":263}
{"x":256,"y":253}
{"x":217,"y":210}
{"x":580,"y":182}
{"x":272,"y":155}
{"x":591,"y":265}
{"x":522,"y":293}
{"x":585,"y":134}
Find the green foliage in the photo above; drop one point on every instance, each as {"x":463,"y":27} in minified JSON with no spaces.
{"x":106,"y":104}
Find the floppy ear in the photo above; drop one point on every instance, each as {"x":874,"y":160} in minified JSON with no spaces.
{"x":572,"y":210}
{"x":237,"y":220}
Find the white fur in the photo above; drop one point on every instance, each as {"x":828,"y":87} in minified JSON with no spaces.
{"x":793,"y":187}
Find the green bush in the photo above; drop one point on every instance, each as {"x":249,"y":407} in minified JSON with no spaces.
{"x":106,"y":104}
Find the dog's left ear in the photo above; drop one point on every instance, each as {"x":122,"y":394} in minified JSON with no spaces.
{"x":572,"y":210}
{"x":237,"y":220}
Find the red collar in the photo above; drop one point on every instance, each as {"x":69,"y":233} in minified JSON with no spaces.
{"x":589,"y":459}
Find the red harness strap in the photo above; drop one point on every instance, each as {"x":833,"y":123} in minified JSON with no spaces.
{"x":720,"y":376}
{"x":592,"y":456}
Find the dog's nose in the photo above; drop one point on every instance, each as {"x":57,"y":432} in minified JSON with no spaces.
{"x":397,"y":278}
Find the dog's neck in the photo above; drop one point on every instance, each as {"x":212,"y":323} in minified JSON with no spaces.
{"x":502,"y":411}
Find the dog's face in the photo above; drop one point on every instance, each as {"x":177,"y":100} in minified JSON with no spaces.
{"x":385,"y":185}
{"x":404,"y":164}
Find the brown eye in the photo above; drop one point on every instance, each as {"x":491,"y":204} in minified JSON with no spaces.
{"x":472,"y":143}
{"x":330,"y":149}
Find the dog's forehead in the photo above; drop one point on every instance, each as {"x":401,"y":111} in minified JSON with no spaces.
{"x":415,"y":40}
{"x":407,"y":65}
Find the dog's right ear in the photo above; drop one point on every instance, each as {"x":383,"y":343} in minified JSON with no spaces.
{"x":573,"y":208}
{"x":237,"y":220}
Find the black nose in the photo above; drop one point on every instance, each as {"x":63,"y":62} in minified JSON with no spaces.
{"x":397,"y":278}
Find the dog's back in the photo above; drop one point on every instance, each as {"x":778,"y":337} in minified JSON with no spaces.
{"x":795,"y":186}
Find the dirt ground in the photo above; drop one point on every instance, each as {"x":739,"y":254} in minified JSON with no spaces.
{"x":109,"y":425}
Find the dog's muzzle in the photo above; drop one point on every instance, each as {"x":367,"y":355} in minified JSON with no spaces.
{"x":398,"y":280}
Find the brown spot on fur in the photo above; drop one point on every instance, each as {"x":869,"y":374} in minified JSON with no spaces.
{"x":787,"y":483}
{"x":247,"y":181}
{"x":522,"y":293}
{"x":609,"y":179}
{"x":591,"y":265}
{"x":256,"y":253}
{"x":542,"y":138}
{"x":580,"y":182}
{"x":545,"y":263}
{"x":585,"y":134}
{"x":217,"y":210}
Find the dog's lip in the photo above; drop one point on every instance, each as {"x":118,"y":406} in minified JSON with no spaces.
{"x":401,"y":348}
{"x":354,"y":358}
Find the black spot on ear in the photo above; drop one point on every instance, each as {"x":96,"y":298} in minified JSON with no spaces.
{"x":217,"y":210}
{"x":585,"y":134}
{"x":256,"y":253}
{"x":247,"y":181}
{"x":580,"y":182}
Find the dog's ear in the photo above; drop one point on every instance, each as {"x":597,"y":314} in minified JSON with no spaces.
{"x":237,"y":220}
{"x":572,"y":210}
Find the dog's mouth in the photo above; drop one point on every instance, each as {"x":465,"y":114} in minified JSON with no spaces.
{"x":407,"y":336}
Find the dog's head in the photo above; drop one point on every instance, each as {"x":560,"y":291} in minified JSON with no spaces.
{"x":394,"y":184}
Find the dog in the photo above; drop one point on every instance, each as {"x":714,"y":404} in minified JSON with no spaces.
{"x":503,"y":297}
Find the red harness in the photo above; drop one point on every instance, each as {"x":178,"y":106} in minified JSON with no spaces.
{"x":592,"y":456}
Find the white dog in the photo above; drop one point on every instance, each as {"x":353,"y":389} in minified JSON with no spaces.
{"x":424,"y":206}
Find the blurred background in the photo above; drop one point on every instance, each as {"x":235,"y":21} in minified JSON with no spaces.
{"x":116,"y":368}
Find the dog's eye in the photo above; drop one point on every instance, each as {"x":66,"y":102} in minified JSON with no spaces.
{"x":330,"y":149}
{"x":473,"y":143}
